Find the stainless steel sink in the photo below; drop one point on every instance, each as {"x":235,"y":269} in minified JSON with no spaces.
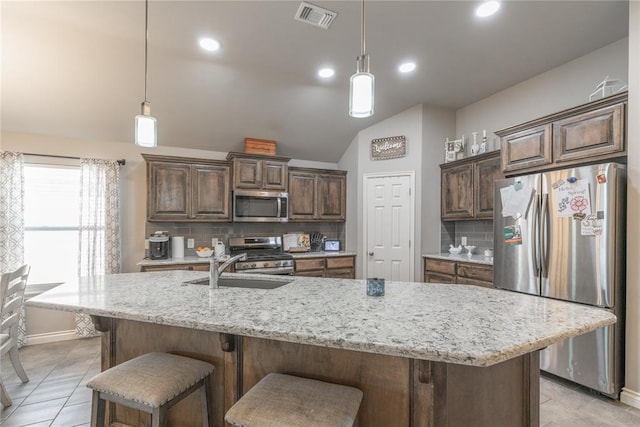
{"x":243,"y":283}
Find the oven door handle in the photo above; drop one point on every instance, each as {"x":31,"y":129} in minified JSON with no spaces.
{"x":272,"y":271}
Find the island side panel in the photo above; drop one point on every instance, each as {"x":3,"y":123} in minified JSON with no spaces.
{"x":131,"y":338}
{"x":506,"y":394}
{"x":384,"y":380}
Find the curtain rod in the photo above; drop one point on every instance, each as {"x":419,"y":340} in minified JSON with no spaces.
{"x":121,"y":162}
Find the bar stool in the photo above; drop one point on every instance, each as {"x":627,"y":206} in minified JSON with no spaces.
{"x":286,"y":400}
{"x":152,"y":383}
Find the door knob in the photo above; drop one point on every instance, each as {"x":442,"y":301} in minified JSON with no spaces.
{"x":370,"y":253}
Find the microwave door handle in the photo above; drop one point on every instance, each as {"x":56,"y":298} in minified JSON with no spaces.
{"x":279,"y":207}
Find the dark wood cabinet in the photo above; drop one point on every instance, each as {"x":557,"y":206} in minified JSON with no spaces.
{"x":341,"y":267}
{"x":185,"y":189}
{"x":526,"y":149}
{"x":459,"y":272}
{"x":317,"y":195}
{"x":467,"y":187}
{"x":586,"y":133}
{"x":251,"y":171}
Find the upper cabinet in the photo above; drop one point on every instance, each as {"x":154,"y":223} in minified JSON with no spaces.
{"x":253,"y":171}
{"x":317,"y":195}
{"x":185,"y":189}
{"x":467,"y":187}
{"x":587,"y":133}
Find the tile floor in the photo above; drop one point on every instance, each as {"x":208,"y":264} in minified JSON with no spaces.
{"x":56,"y":394}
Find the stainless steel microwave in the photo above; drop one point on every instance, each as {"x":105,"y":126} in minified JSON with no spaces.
{"x":260,"y":206}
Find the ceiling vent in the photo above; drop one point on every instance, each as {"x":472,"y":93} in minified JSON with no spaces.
{"x":314,"y":15}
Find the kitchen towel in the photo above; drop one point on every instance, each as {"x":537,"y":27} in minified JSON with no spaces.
{"x":177,"y":247}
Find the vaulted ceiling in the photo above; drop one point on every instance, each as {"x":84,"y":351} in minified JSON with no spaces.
{"x":76,"y":68}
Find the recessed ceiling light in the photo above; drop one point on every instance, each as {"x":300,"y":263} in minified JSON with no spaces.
{"x":325,"y":73}
{"x":488,"y":8}
{"x":209,"y":44}
{"x":407,"y":67}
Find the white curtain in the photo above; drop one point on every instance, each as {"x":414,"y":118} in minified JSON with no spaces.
{"x":12,"y":219}
{"x":99,"y":225}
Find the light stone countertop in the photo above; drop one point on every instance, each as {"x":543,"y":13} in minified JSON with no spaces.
{"x":478,"y":259}
{"x":467,"y":325}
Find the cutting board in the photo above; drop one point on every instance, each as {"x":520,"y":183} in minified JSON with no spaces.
{"x":296,"y":242}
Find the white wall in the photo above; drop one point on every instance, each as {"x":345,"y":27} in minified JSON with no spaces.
{"x":560,"y":88}
{"x":349,"y":162}
{"x":425,"y":129}
{"x":437,"y":125}
{"x":631,"y":391}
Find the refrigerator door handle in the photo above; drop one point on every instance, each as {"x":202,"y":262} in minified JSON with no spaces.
{"x":536,"y":246}
{"x":544,"y":235}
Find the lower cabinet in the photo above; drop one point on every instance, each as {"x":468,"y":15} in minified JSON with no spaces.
{"x":465,"y":273}
{"x":342,"y":267}
{"x":190,"y":267}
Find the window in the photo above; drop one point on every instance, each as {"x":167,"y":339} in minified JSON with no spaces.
{"x":51,"y":222}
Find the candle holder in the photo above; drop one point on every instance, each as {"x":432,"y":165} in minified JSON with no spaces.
{"x":375,"y":287}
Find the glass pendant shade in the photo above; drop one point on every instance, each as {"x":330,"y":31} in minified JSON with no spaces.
{"x":361,"y":90}
{"x":146,"y":128}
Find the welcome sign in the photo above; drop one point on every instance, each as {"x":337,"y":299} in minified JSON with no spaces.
{"x":388,"y":148}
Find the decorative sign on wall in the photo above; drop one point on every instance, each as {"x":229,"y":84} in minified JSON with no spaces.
{"x":388,"y":148}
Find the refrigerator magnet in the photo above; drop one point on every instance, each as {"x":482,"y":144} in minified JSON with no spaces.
{"x":579,"y":216}
{"x":517,"y":185}
{"x":512,"y":235}
{"x":557,"y":184}
{"x":600,"y":214}
{"x":601,"y":178}
{"x":572,"y":179}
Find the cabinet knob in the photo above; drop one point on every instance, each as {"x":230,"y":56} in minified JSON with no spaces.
{"x":370,"y":253}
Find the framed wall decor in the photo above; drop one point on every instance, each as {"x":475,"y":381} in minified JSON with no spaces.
{"x":392,"y":147}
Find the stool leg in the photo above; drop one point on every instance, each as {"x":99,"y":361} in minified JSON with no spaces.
{"x":97,"y":410}
{"x":159,"y":417}
{"x":207,"y":407}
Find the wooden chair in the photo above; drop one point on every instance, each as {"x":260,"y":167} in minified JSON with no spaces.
{"x":152,"y":383}
{"x":287,"y":400}
{"x":12,"y":286}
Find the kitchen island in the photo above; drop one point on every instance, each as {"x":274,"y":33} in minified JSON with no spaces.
{"x":423,"y":354}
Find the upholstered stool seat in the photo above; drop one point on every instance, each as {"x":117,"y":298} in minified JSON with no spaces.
{"x":285,"y":400}
{"x":151,"y":383}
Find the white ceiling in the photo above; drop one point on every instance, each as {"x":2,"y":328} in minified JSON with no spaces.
{"x":76,"y":68}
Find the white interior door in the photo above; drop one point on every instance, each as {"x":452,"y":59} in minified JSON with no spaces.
{"x":389,"y":227}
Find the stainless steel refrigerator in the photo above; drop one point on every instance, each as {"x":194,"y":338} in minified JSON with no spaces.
{"x":561,"y":234}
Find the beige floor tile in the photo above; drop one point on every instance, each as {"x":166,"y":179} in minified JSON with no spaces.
{"x":73,"y":415}
{"x":31,"y":414}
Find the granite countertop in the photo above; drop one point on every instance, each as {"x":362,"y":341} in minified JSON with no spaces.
{"x":468,"y":325}
{"x":199,"y":260}
{"x":478,"y":259}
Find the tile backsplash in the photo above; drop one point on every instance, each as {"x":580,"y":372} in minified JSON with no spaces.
{"x":478,"y":233}
{"x":202,"y":233}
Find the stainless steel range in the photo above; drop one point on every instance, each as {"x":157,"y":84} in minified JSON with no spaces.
{"x":264,"y":255}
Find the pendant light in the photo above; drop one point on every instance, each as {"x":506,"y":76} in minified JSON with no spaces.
{"x":362,"y":83}
{"x":146,"y":125}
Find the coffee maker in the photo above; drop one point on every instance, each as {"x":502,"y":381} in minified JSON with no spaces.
{"x":159,"y":245}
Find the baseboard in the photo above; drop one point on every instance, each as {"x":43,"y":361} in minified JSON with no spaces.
{"x":630,"y":397}
{"x":50,"y":337}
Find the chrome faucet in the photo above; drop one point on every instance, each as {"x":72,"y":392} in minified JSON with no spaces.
{"x":216,"y":269}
